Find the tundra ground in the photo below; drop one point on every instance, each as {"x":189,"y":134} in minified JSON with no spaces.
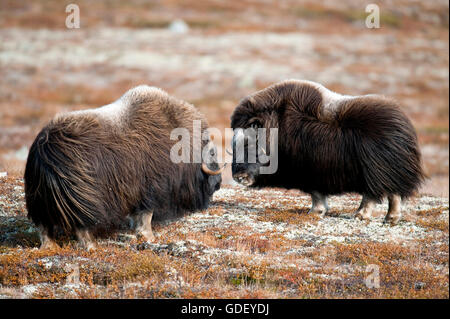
{"x":248,"y":244}
{"x":257,"y":243}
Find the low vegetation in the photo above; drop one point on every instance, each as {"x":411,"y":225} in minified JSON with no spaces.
{"x":248,"y":244}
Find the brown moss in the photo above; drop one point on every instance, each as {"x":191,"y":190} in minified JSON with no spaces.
{"x":291,"y":216}
{"x":434,"y":224}
{"x":371,"y":253}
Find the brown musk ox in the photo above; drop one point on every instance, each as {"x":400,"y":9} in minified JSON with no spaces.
{"x":330,"y":144}
{"x":89,"y":171}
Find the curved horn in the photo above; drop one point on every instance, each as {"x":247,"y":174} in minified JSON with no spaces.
{"x":211,"y":172}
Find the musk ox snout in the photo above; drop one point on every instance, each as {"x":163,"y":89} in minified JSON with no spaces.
{"x":211,"y":168}
{"x":255,"y":152}
{"x":214,"y":183}
{"x":246,"y":162}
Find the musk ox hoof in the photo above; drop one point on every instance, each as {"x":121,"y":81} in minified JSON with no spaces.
{"x":46,"y":241}
{"x":147,"y":236}
{"x":392,"y":220}
{"x":85,"y":240}
{"x":145,"y":229}
{"x":364,"y":211}
{"x":49,"y":244}
{"x":318,"y":211}
{"x":361,"y":216}
{"x":86,"y":245}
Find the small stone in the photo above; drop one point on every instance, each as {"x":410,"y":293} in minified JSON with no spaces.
{"x":143,"y":246}
{"x":419,"y":285}
{"x":22,"y":154}
{"x":179,"y":26}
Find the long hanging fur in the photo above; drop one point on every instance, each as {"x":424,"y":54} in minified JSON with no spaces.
{"x":88,"y":170}
{"x":334,"y":144}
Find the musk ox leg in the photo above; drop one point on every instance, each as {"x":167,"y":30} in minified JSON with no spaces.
{"x":46,"y":242}
{"x":394,"y":212}
{"x":85,"y":239}
{"x":145,"y":227}
{"x":365,"y":209}
{"x":319,"y":204}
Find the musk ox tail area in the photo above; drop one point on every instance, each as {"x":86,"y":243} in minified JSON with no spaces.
{"x":386,"y":144}
{"x":60,"y":190}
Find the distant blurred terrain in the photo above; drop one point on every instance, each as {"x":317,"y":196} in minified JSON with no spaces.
{"x":228,"y":50}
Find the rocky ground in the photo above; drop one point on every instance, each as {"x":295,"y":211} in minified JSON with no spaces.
{"x":249,"y":243}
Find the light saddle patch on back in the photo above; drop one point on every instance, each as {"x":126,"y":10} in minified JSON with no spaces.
{"x":118,"y":110}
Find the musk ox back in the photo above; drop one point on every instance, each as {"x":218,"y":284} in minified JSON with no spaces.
{"x":331,"y":144}
{"x":88,"y":170}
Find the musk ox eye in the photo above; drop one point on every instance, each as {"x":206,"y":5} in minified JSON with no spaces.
{"x":255,"y":124}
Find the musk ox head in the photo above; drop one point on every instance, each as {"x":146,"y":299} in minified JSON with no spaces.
{"x":249,"y":153}
{"x":255,"y":139}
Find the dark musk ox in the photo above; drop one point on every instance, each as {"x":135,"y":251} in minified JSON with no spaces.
{"x":331,"y":144}
{"x":88,"y":171}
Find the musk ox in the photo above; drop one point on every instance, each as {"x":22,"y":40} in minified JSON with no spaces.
{"x":331,"y":144}
{"x":88,"y":171}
